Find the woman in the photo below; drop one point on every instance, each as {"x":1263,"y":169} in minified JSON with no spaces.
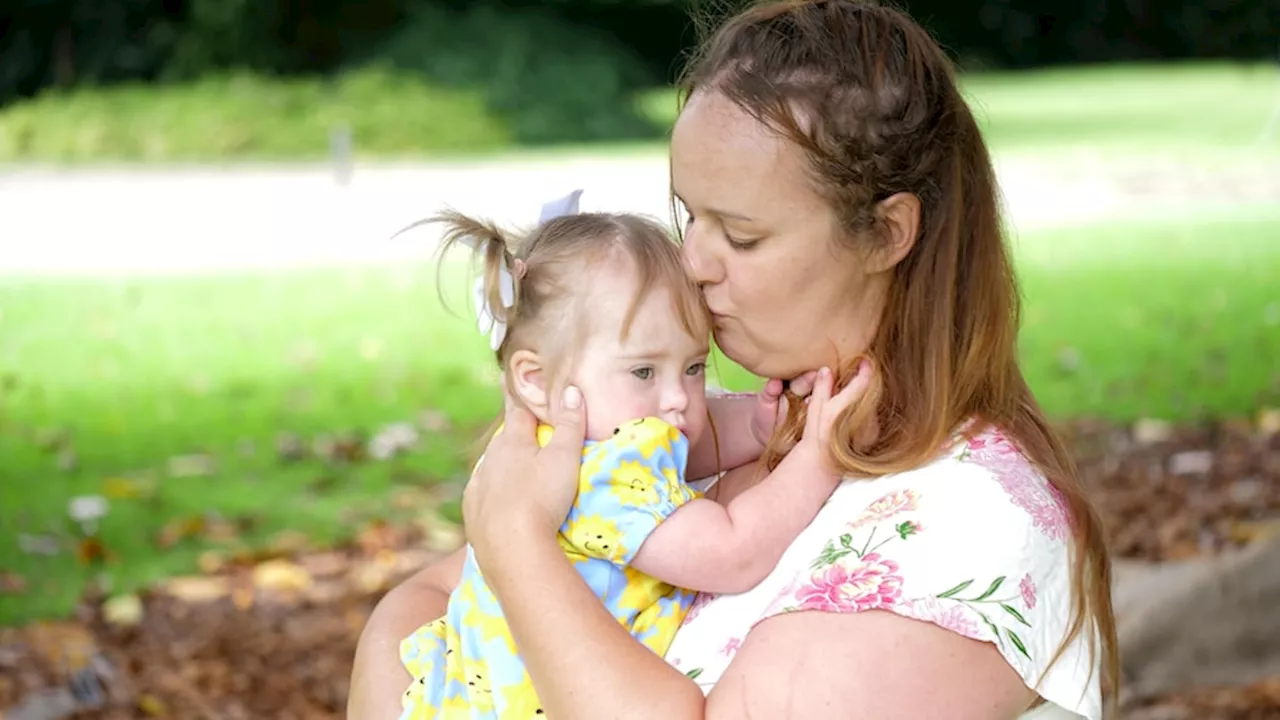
{"x":841,"y":204}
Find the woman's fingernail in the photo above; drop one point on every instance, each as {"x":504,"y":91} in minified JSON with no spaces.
{"x":823,"y":373}
{"x":572,"y":398}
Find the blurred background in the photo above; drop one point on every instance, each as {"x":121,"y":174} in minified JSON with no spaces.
{"x":234,"y":411}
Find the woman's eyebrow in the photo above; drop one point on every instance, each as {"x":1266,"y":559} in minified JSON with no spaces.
{"x":719,"y":212}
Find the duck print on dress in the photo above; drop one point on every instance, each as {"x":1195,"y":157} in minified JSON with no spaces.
{"x":466,"y":664}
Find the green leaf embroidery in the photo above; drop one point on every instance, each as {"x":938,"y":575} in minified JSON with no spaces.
{"x":957,"y":589}
{"x":825,"y":557}
{"x":847,"y":540}
{"x":995,"y":585}
{"x":1017,"y":642}
{"x":995,"y":630}
{"x":1012,"y":611}
{"x":829,"y":556}
{"x":694,"y":673}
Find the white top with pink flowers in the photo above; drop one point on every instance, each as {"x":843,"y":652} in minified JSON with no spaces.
{"x":976,"y":542}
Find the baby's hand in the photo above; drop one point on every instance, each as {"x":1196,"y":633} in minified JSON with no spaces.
{"x":771,"y":405}
{"x":825,"y":408}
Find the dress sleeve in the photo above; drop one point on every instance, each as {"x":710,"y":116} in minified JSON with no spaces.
{"x":980,"y":549}
{"x":628,"y":486}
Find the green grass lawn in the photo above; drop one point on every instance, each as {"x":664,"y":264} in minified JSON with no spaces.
{"x":1169,"y":320}
{"x":1182,"y":108}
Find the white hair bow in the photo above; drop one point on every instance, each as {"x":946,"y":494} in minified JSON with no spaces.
{"x":486,"y":319}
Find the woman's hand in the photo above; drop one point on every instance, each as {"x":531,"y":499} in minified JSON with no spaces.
{"x":521,"y":491}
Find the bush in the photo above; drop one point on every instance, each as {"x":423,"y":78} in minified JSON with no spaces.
{"x":242,"y":115}
{"x":552,"y":80}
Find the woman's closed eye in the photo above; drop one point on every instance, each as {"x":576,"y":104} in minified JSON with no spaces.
{"x":741,"y":244}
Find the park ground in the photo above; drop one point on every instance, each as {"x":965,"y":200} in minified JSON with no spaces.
{"x":263,"y":385}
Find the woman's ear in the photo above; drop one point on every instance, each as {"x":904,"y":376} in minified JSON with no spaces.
{"x":899,"y":216}
{"x":528,"y":381}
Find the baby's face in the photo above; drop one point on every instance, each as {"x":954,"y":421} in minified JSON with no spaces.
{"x":657,"y":371}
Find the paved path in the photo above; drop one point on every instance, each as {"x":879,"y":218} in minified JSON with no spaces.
{"x":167,"y":220}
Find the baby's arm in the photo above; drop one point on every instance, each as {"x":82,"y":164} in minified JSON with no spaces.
{"x":716,"y":548}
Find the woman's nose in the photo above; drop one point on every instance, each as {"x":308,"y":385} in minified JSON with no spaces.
{"x":702,"y":265}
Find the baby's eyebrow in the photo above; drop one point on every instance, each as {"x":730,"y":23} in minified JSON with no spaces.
{"x":644,"y":355}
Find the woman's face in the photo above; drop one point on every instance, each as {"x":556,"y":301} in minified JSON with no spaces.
{"x":787,"y":295}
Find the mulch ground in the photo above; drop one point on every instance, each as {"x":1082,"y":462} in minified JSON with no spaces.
{"x":274,"y":638}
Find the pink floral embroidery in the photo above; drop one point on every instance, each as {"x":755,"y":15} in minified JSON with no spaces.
{"x":732,"y":646}
{"x":950,"y":616}
{"x":699,"y":602}
{"x":852,"y":585}
{"x":887,"y":506}
{"x":908,"y":529}
{"x":1028,"y":589}
{"x":1025,"y":486}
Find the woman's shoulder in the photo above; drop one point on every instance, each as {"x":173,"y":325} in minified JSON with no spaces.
{"x":980,"y":482}
{"x":977,"y":541}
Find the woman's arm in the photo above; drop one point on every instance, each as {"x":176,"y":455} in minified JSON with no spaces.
{"x":377,"y":677}
{"x":870,"y":665}
{"x":865,"y":665}
{"x":583,"y":663}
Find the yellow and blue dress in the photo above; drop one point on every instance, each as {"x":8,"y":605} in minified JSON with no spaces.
{"x":465,"y":665}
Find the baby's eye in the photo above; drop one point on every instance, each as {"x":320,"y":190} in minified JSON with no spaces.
{"x":643,"y":373}
{"x":696,"y":369}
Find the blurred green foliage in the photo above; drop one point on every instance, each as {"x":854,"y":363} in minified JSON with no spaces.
{"x":552,"y":80}
{"x":551,"y":70}
{"x":245,"y":116}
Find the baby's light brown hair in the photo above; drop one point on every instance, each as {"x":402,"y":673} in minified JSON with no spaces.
{"x":552,"y":266}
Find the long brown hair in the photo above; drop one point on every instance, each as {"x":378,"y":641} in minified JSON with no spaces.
{"x":872,"y":101}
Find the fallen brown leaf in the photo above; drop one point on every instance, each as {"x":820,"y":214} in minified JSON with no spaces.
{"x":289,"y":542}
{"x":152,"y":706}
{"x":210,"y":562}
{"x":281,"y":576}
{"x":92,"y":552}
{"x":123,"y":610}
{"x":197,"y":589}
{"x":11,"y":583}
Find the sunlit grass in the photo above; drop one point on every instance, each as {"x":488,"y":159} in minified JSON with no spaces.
{"x":1175,"y":320}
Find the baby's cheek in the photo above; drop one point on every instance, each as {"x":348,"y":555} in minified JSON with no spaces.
{"x":619,"y":408}
{"x":605,"y":411}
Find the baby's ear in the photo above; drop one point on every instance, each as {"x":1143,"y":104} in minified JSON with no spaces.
{"x":528,"y":381}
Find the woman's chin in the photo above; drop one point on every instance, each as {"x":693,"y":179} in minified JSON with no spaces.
{"x":746,"y":354}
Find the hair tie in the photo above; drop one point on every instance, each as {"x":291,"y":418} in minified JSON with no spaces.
{"x":487,"y":320}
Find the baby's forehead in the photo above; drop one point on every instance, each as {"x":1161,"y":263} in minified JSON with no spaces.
{"x":619,"y":317}
{"x":657,"y":336}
